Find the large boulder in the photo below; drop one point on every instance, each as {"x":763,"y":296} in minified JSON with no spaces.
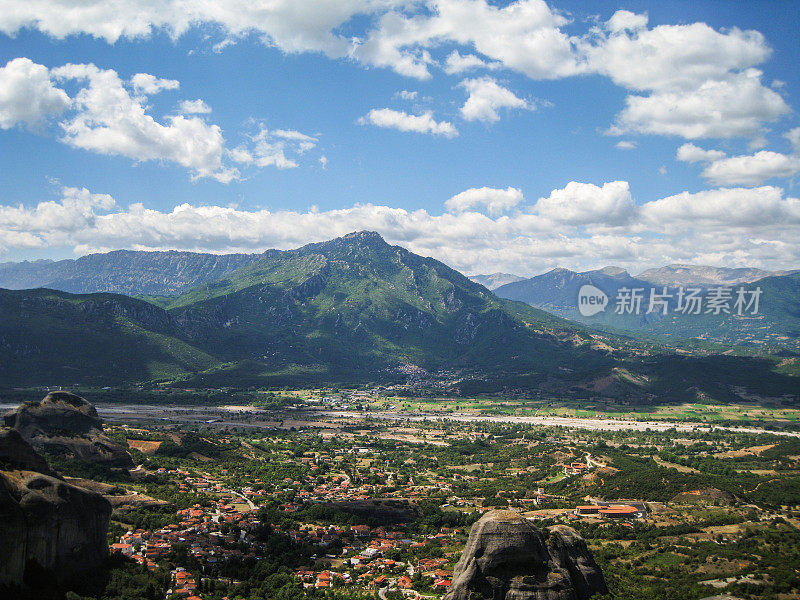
{"x":48,"y":528}
{"x":16,"y":453}
{"x":508,"y":558}
{"x":64,"y":424}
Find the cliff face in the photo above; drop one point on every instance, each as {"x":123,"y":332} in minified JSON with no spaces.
{"x":508,"y":558}
{"x":48,"y":528}
{"x":66,"y":424}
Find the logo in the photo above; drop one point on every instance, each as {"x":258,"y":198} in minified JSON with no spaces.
{"x":591,"y":300}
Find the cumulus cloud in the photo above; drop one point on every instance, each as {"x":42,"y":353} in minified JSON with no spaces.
{"x":733,"y":107}
{"x":686,"y":80}
{"x":402,"y":121}
{"x":625,"y":145}
{"x":746,"y":209}
{"x":586,"y":203}
{"x":110,"y":115}
{"x":486,"y":97}
{"x":751,"y":169}
{"x":698,"y":82}
{"x":495,"y":200}
{"x":793,"y":135}
{"x":691,"y":154}
{"x":525,"y":36}
{"x":109,"y":120}
{"x":145,"y":83}
{"x":194,"y":107}
{"x":456,"y":63}
{"x":574,"y":226}
{"x":27,"y":94}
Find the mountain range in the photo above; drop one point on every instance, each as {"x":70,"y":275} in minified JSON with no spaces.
{"x":776,"y":322}
{"x":351,"y":310}
{"x":124,"y":271}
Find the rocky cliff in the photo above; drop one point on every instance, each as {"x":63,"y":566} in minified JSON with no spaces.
{"x":508,"y":558}
{"x":67,"y":425}
{"x":48,"y":528}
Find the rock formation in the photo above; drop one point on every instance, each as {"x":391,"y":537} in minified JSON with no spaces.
{"x":48,"y":528}
{"x":508,"y":558}
{"x":67,"y":425}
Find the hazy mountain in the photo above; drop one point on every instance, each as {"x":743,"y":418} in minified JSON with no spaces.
{"x":777,"y":322}
{"x":124,"y":271}
{"x":495,"y":280}
{"x":698,"y":275}
{"x":557,"y":292}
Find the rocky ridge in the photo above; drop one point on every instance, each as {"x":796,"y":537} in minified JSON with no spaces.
{"x":50,"y":529}
{"x":64,"y":424}
{"x":508,"y":558}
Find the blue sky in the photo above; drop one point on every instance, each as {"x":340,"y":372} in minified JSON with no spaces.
{"x":494,"y":136}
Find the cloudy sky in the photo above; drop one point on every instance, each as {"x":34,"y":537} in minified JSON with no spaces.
{"x":494,"y":136}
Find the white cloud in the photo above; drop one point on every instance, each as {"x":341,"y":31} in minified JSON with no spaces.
{"x":574,"y":227}
{"x":623,"y":20}
{"x":27,"y":94}
{"x":109,"y":120}
{"x":524,"y":35}
{"x":145,"y":83}
{"x":746,"y":209}
{"x":486,"y":97}
{"x":406,"y":95}
{"x":699,"y":82}
{"x":586,"y":203}
{"x":496,"y":200}
{"x":456,"y":63}
{"x":292,"y":25}
{"x":625,"y":145}
{"x":733,"y":107}
{"x":691,"y":153}
{"x":109,"y":115}
{"x":402,"y":121}
{"x":754,"y":169}
{"x":751,"y":170}
{"x":688,"y":80}
{"x":194,"y":107}
{"x":793,"y":136}
{"x":271,"y":147}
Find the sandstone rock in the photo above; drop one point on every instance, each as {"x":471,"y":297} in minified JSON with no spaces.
{"x":67,"y":425}
{"x":48,"y":528}
{"x":16,"y":453}
{"x":508,"y":558}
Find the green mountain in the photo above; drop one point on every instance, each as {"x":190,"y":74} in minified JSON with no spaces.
{"x":354,"y":310}
{"x":124,"y":272}
{"x":776,"y":323}
{"x":55,"y":338}
{"x":356,"y":307}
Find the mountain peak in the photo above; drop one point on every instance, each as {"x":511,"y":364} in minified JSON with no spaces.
{"x":611,"y":271}
{"x":371,"y":236}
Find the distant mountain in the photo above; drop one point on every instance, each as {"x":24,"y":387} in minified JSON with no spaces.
{"x":697,"y":275}
{"x":777,"y":322}
{"x":124,"y":271}
{"x":557,"y":292}
{"x":495,"y":280}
